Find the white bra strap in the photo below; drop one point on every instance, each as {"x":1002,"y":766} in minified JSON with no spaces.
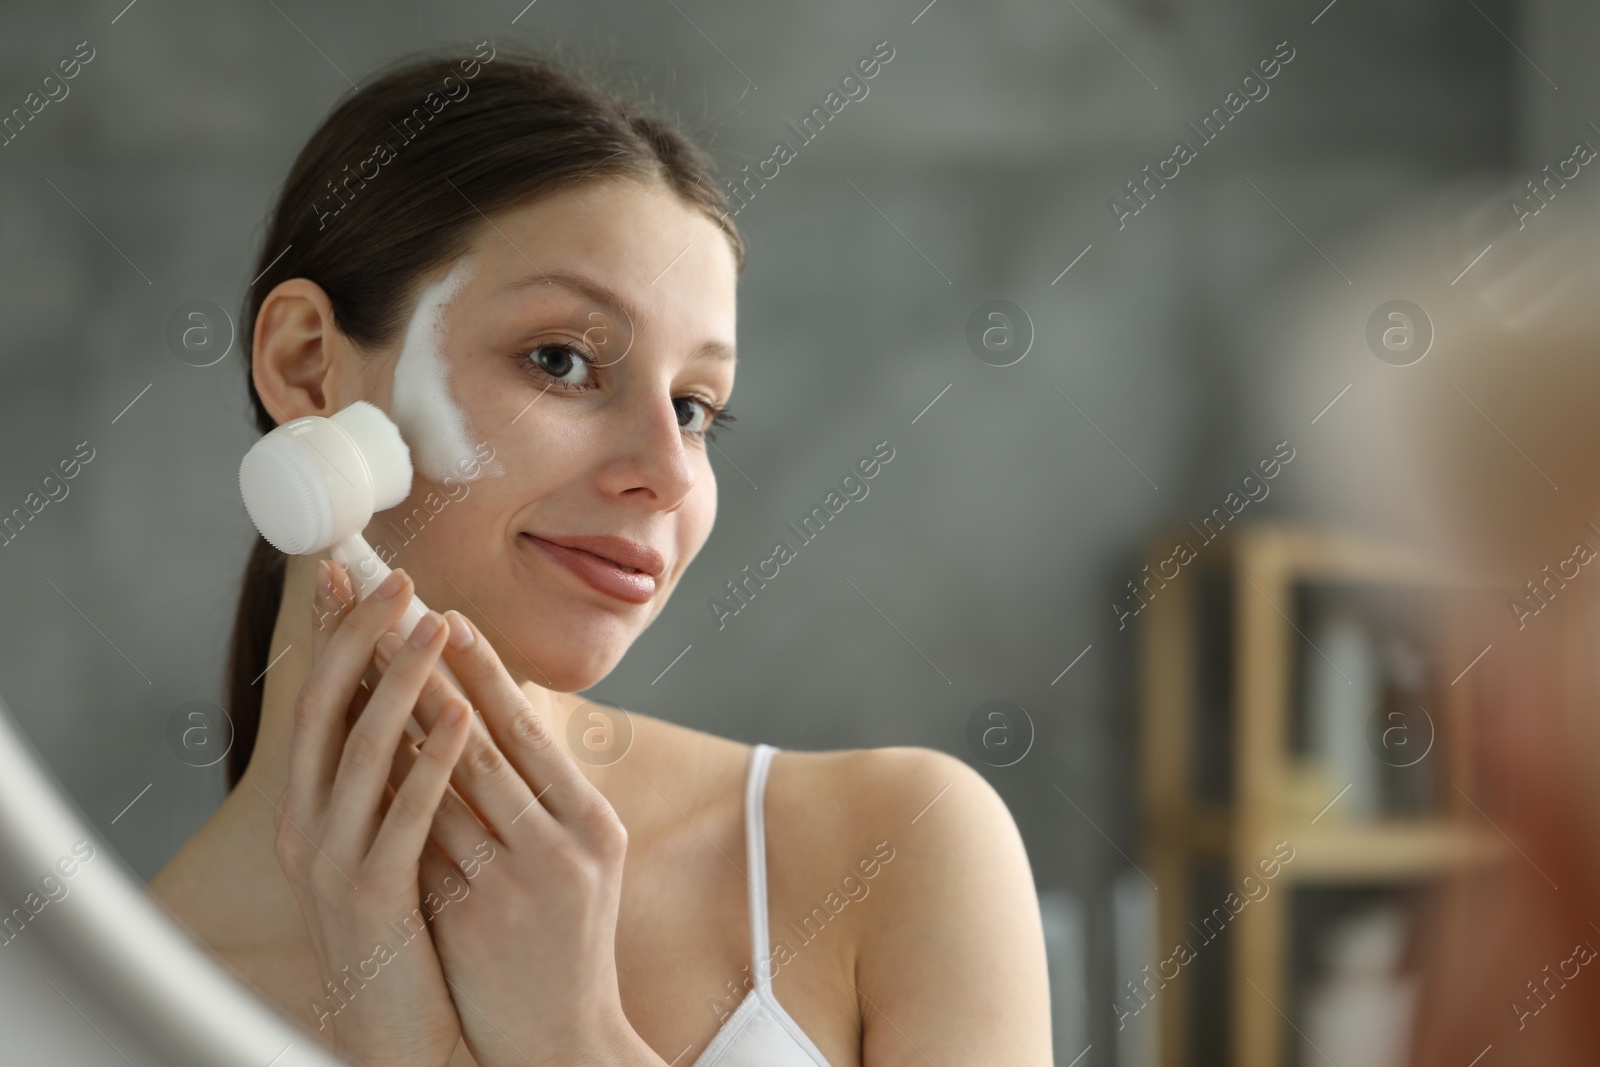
{"x":755,"y":836}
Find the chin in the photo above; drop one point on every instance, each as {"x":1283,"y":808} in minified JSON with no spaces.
{"x":568,"y":655}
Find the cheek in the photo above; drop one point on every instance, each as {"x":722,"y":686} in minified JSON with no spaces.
{"x":546,"y":446}
{"x":700,"y":515}
{"x":551,"y":445}
{"x":533,"y":431}
{"x":426,"y":399}
{"x":694,"y":522}
{"x":493,"y":405}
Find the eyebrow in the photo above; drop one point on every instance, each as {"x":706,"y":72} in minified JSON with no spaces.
{"x":597,"y":292}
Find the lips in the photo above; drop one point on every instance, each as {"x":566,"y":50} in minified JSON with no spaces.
{"x":616,"y":566}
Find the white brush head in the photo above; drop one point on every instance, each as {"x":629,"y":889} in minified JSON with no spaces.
{"x":384,"y":450}
{"x":286,"y":495}
{"x":312,"y":482}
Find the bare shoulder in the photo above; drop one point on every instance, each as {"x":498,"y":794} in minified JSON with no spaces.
{"x":902,"y":791}
{"x":953,"y":951}
{"x":930,"y":818}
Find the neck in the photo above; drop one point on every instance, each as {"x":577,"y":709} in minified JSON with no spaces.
{"x":290,"y":660}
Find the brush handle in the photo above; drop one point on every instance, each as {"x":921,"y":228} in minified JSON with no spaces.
{"x":367,"y":571}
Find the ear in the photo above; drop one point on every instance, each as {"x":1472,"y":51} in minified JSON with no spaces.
{"x":301,"y":363}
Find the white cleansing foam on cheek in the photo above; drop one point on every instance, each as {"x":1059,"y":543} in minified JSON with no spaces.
{"x":428,"y":416}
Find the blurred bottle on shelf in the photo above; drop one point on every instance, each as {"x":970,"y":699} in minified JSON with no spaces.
{"x":1404,"y":733}
{"x":1359,"y":1010}
{"x":1341,"y":693}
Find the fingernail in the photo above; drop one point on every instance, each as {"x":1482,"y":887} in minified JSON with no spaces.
{"x":427,"y":629}
{"x":389,"y":644}
{"x":391,"y":585}
{"x":324,"y":580}
{"x":460,"y":632}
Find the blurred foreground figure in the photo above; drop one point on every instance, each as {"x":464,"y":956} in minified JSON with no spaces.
{"x":1504,"y":419}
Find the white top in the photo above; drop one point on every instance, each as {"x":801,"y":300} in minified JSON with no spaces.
{"x":759,"y":1033}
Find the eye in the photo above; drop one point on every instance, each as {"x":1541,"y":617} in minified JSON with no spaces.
{"x":564,"y":362}
{"x":705,"y":421}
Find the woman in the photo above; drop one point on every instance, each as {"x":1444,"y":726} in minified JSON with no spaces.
{"x":563,"y":267}
{"x":1508,"y":950}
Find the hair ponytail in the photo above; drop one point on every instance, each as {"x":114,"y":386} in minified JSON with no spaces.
{"x":249,"y":647}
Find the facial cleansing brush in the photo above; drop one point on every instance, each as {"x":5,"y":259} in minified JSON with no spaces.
{"x":313,"y":484}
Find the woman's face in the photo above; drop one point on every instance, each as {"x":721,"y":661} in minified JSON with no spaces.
{"x":589,"y":344}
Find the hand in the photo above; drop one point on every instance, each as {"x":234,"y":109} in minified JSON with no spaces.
{"x":529,"y":947}
{"x":352,"y":865}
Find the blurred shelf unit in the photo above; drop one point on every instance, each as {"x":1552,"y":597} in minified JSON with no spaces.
{"x":1295,"y":685}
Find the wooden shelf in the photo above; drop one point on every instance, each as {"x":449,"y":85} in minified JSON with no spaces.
{"x":1392,"y":849}
{"x":1388,"y":849}
{"x":1260,"y":569}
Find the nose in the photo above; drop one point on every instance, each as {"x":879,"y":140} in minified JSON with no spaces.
{"x":647,"y":458}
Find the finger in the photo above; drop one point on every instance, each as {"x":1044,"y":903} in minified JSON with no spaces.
{"x":405,"y":826}
{"x":484,"y":778}
{"x":344,"y":592}
{"x":332,"y":683}
{"x":314,"y":753}
{"x":358,"y":704}
{"x":434,"y":867}
{"x":369,"y":749}
{"x":457,"y":830}
{"x":431,"y":699}
{"x":521,"y":733}
{"x":440,"y":874}
{"x":333,"y":596}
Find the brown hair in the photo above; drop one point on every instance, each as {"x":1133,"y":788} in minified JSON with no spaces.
{"x":396,"y":181}
{"x":1497,"y":935}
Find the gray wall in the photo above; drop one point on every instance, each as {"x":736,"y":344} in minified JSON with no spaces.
{"x":1007,"y":522}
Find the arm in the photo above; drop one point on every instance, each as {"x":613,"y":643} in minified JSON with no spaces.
{"x":955,"y":970}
